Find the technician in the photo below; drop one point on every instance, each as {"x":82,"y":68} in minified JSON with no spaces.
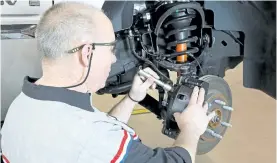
{"x":52,"y":119}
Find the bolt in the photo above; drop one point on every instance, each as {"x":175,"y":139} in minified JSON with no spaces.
{"x":226,"y":124}
{"x":130,"y":32}
{"x":164,"y":103}
{"x":148,"y":16}
{"x":217,"y":136}
{"x":220,"y":102}
{"x":228,"y":108}
{"x":214,"y":134}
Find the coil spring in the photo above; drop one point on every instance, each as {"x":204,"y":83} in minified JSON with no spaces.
{"x":179,"y":18}
{"x":180,"y":22}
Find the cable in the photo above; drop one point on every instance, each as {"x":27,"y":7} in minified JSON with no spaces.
{"x":146,"y":60}
{"x":146,"y":50}
{"x":85,"y":77}
{"x":155,"y":7}
{"x":151,"y":40}
{"x":152,"y":65}
{"x":201,"y":69}
{"x":233,"y":37}
{"x":144,"y":47}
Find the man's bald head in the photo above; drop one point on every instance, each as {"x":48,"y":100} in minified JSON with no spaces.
{"x":67,"y":25}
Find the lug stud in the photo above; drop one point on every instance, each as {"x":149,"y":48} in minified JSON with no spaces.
{"x":220,"y":102}
{"x":226,"y":124}
{"x":214,"y":134}
{"x":228,"y":108}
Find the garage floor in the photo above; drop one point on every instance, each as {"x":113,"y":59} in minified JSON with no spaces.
{"x":250,"y":140}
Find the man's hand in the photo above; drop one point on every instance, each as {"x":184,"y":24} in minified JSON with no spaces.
{"x":193,"y":122}
{"x":123,"y":110}
{"x":195,"y":117}
{"x":141,"y":85}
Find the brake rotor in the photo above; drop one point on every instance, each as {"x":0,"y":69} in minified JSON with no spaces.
{"x":219,"y":98}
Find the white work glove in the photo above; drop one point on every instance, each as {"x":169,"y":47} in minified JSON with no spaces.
{"x":141,"y":85}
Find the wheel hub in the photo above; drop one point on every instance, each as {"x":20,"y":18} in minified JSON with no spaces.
{"x":217,"y":119}
{"x":219,"y":98}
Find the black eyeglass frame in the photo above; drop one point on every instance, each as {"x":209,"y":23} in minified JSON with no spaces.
{"x":93,"y":46}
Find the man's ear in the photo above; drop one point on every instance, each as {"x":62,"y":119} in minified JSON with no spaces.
{"x":86,"y":54}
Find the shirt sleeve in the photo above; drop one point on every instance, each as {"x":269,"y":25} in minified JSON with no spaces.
{"x":140,"y":153}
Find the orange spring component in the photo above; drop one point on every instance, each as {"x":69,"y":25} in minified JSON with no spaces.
{"x":179,"y":48}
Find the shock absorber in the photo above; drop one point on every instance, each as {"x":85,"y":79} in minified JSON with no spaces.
{"x":177,"y":27}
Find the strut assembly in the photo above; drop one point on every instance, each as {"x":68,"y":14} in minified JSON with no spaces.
{"x":177,"y":25}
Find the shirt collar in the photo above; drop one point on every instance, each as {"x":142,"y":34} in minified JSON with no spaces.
{"x":49,"y":93}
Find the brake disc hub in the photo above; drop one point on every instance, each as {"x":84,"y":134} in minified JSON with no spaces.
{"x":219,"y":99}
{"x":217,"y":119}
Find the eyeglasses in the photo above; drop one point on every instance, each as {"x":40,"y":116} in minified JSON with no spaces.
{"x":93,"y":46}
